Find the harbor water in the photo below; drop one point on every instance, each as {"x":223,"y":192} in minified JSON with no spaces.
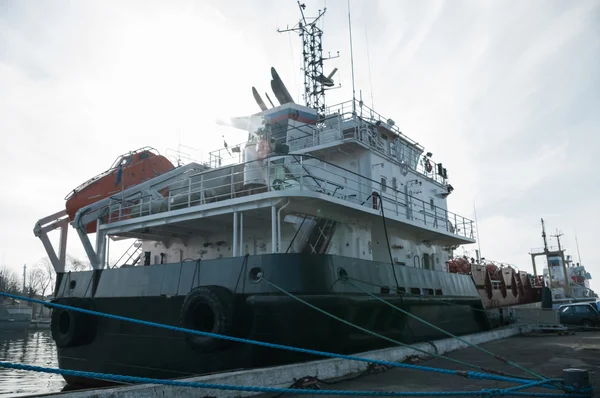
{"x":34,"y":347}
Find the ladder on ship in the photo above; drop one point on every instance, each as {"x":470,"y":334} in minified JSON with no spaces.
{"x":320,"y":237}
{"x":133,"y":254}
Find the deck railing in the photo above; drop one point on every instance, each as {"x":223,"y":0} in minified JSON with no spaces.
{"x":294,"y":173}
{"x":342,"y":126}
{"x":367,"y":114}
{"x":541,"y":250}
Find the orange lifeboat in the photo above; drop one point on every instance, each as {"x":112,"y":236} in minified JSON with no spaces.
{"x":128,"y":170}
{"x":459,"y":266}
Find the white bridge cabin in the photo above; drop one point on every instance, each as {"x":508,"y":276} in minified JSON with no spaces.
{"x":301,"y":183}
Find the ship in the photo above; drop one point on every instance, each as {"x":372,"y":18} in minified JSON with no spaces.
{"x":568,"y":281}
{"x":317,"y":195}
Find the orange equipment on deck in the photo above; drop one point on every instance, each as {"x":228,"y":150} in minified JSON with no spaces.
{"x":128,"y":170}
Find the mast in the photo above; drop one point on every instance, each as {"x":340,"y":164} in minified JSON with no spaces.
{"x":544,"y":237}
{"x":577,"y":245}
{"x":557,"y":236}
{"x":546,"y":253}
{"x":352,"y":61}
{"x":477,"y":231}
{"x":315,"y":82}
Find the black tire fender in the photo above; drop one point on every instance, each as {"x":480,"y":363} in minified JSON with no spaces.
{"x":72,"y":328}
{"x":208,"y":309}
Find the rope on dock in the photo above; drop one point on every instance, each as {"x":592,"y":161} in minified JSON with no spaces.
{"x":516,"y":365}
{"x":462,"y":373}
{"x":210,"y":386}
{"x":387,"y":338}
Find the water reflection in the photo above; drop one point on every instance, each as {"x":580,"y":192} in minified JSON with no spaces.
{"x":31,"y":348}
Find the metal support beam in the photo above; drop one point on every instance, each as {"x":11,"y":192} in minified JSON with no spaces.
{"x":235,"y":233}
{"x":533,"y":263}
{"x":242,"y":235}
{"x":48,"y":224}
{"x":273,"y":229}
{"x":62,"y":246}
{"x":58,"y":266}
{"x":107,"y":258}
{"x":100,"y":245}
{"x":89,"y":250}
{"x":279,"y":225}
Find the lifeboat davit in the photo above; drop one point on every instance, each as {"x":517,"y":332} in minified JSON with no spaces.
{"x":129,"y":169}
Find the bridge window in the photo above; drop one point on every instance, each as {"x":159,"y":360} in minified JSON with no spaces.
{"x":383,"y":184}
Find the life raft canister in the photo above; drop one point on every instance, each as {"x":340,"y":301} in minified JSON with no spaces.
{"x":72,"y":328}
{"x":208,"y":309}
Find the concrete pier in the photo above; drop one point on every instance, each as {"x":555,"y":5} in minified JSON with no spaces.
{"x":284,"y":376}
{"x":546,"y":354}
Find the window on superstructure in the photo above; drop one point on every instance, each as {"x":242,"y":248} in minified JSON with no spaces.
{"x":383,"y":184}
{"x":402,"y":152}
{"x":431,"y":203}
{"x":384,"y":143}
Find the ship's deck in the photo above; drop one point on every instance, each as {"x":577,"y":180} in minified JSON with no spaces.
{"x":314,"y":187}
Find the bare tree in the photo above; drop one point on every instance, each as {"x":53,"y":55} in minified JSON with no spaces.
{"x":9,"y":282}
{"x":32,"y":283}
{"x":75,"y":264}
{"x":43,"y":276}
{"x":41,"y":279}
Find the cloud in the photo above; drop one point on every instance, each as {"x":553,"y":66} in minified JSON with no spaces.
{"x":505,"y":96}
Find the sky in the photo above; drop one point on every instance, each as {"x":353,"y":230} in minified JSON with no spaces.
{"x":505,"y":94}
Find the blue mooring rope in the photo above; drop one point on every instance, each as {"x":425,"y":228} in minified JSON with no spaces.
{"x":524,"y":383}
{"x":177,"y":383}
{"x":463,"y":373}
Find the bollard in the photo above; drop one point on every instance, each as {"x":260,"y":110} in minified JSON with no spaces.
{"x":576,"y":378}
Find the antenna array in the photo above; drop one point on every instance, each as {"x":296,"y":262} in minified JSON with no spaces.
{"x":315,"y":82}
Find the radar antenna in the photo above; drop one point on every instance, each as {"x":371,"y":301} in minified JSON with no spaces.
{"x":315,"y":81}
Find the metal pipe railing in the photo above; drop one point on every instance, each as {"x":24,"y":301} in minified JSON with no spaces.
{"x":300,"y":172}
{"x":332,"y":128}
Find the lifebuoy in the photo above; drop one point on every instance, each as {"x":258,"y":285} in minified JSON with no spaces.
{"x":428,"y":166}
{"x":207,"y":309}
{"x":72,"y":328}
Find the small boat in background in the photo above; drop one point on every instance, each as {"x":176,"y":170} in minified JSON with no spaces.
{"x":14,"y":317}
{"x":569,"y":280}
{"x":40,"y":324}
